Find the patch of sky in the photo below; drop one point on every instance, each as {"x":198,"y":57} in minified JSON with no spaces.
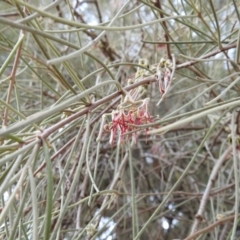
{"x":106,"y":226}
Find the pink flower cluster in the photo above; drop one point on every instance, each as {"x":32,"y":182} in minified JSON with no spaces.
{"x":132,"y":112}
{"x":126,"y":120}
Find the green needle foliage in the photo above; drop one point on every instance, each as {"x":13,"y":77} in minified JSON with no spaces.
{"x":119,"y":119}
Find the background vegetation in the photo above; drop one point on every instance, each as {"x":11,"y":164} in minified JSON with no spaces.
{"x":63,"y":65}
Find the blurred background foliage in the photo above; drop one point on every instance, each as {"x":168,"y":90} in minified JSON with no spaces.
{"x":57,"y":181}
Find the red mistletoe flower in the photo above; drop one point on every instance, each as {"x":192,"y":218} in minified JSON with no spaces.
{"x":123,"y":121}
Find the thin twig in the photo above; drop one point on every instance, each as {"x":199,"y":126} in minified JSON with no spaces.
{"x":12,"y":78}
{"x":199,"y":216}
{"x":210,"y":227}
